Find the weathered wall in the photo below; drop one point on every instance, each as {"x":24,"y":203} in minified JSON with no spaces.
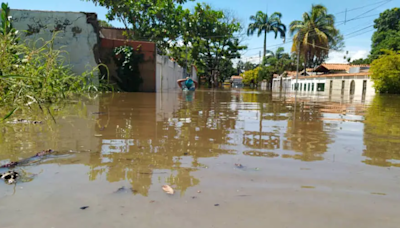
{"x":168,"y":72}
{"x":76,"y":35}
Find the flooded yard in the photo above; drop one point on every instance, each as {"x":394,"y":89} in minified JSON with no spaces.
{"x":235,"y":158}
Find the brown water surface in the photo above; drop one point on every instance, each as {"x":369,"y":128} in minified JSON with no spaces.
{"x":236,"y":158}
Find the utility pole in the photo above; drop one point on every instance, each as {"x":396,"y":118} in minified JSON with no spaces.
{"x":345,"y":17}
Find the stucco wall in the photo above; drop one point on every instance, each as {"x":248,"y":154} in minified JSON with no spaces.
{"x":336,"y":85}
{"x":76,"y":36}
{"x":168,"y":72}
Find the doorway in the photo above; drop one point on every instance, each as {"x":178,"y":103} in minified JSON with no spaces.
{"x":352,"y":87}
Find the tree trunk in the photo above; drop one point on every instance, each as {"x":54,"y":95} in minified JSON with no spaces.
{"x":265,"y":44}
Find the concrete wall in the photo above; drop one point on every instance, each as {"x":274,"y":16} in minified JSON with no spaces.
{"x":76,"y":35}
{"x":168,"y":72}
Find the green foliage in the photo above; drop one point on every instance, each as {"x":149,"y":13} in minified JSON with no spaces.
{"x":249,"y":66}
{"x":266,"y":73}
{"x":280,"y":61}
{"x":386,"y":72}
{"x":104,"y":24}
{"x":251,"y":76}
{"x":315,"y":34}
{"x":35,"y":72}
{"x":264,"y":25}
{"x":387,"y":34}
{"x":361,"y":61}
{"x":156,"y":21}
{"x":128,"y":60}
{"x":212,"y":37}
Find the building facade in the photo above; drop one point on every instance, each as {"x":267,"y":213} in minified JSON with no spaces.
{"x":328,"y":79}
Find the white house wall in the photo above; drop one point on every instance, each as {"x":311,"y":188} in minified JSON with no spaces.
{"x":168,"y":72}
{"x":76,"y":36}
{"x":336,"y":85}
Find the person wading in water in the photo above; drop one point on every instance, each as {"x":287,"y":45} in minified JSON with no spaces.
{"x":188,"y":85}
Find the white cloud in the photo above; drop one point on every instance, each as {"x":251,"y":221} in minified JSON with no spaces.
{"x":337,"y":57}
{"x":253,"y":59}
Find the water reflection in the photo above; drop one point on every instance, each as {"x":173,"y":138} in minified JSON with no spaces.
{"x":144,"y":138}
{"x":382,"y":132}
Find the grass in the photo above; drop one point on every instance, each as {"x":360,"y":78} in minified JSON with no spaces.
{"x":35,"y":72}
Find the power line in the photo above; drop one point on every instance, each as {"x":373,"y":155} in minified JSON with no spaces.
{"x":374,"y":8}
{"x":362,"y":7}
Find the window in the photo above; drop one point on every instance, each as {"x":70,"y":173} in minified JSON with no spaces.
{"x":364,"y":87}
{"x":320,"y":87}
{"x":352,"y":87}
{"x":312,"y":88}
{"x":343,"y":87}
{"x":305,"y":86}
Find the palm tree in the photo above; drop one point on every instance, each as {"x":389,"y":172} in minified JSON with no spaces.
{"x":264,"y":24}
{"x":314,"y":35}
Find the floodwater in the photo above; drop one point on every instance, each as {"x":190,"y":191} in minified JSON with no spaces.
{"x":236,"y":158}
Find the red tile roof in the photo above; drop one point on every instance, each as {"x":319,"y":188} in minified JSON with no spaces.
{"x":336,"y":75}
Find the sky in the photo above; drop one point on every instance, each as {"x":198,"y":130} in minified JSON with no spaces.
{"x":357,"y":30}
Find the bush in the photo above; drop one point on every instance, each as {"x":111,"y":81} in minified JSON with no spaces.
{"x":37,"y":73}
{"x":386,"y":72}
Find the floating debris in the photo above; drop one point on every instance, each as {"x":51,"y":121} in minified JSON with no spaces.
{"x":239,"y":166}
{"x":45,"y":152}
{"x":84,"y":207}
{"x":98,"y":135}
{"x":10,"y":177}
{"x":9,"y":165}
{"x":216,"y":205}
{"x":168,"y":189}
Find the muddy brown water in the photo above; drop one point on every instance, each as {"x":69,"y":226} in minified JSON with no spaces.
{"x":236,"y":158}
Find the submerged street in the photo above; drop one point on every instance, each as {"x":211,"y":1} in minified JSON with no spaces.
{"x":235,"y":158}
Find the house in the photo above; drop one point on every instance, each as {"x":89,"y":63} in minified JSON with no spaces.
{"x":328,"y":79}
{"x":237,"y":81}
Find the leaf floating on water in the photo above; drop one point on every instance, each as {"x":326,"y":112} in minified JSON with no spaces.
{"x":168,"y":189}
{"x":98,"y":135}
{"x":239,"y":165}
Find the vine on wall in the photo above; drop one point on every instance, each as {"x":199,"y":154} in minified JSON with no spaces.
{"x":128,"y":61}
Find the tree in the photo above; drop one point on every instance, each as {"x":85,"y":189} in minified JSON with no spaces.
{"x":276,"y":63}
{"x":156,"y":21}
{"x":239,"y":67}
{"x":385,"y":72}
{"x":251,"y":76}
{"x":361,"y":61}
{"x":315,"y":35}
{"x":104,"y":24}
{"x":387,"y":34}
{"x":264,"y":24}
{"x":213,"y":39}
{"x":249,"y":66}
